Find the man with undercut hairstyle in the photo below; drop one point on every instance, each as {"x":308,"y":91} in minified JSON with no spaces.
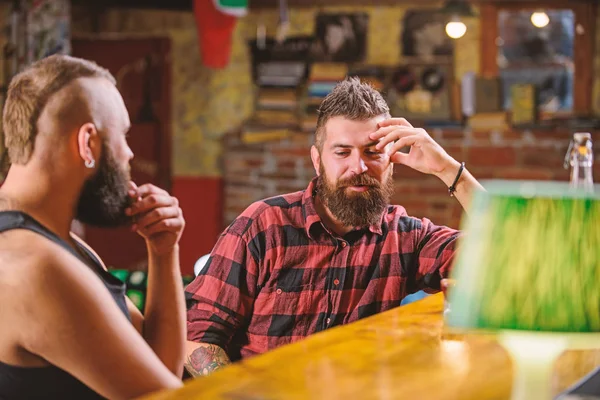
{"x":68,"y":331}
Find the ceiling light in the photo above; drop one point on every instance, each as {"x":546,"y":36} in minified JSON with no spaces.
{"x":456,"y":9}
{"x":540,"y":19}
{"x":456,"y":28}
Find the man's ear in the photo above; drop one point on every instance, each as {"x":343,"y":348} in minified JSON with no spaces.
{"x":315,"y":156}
{"x":88,"y":143}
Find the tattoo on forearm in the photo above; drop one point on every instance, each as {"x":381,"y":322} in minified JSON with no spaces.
{"x":205,"y":360}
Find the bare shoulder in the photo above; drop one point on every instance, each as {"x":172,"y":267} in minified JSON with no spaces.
{"x":29,"y":261}
{"x":22,"y":252}
{"x":18,"y":264}
{"x":30,"y":265}
{"x":50,"y":286}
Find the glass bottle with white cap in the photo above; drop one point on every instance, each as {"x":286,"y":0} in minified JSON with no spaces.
{"x":580,"y":157}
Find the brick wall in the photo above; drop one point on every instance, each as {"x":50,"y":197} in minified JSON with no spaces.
{"x":252,"y":172}
{"x":256,"y":171}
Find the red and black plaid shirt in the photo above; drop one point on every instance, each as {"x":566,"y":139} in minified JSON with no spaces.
{"x":276,"y":274}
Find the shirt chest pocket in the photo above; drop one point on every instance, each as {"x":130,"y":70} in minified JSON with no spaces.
{"x":287,"y":306}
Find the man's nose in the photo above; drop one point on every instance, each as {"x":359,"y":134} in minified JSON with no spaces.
{"x":358,"y":166}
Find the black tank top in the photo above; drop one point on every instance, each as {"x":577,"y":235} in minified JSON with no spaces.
{"x":52,"y":382}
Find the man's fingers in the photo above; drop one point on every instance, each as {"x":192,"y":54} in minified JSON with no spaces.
{"x":151,"y":202}
{"x":395,"y":121}
{"x":405,"y":141}
{"x":156,"y":215}
{"x":393,"y":135}
{"x":399,"y":158}
{"x":164,"y":225}
{"x":381,"y":132}
{"x":132,"y":190}
{"x":148,"y":189}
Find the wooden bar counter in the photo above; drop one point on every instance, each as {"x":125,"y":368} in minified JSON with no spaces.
{"x":404,"y":353}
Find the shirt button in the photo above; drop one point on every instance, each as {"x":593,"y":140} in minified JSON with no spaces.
{"x":343,"y":244}
{"x":336,"y":282}
{"x":278,"y":291}
{"x":328,"y":321}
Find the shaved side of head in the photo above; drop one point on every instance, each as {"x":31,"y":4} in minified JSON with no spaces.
{"x":29,"y":93}
{"x":84,"y":100}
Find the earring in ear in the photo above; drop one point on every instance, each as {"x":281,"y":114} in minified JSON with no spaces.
{"x":90,"y":163}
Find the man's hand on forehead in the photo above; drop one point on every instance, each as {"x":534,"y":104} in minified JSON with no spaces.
{"x":425,"y":154}
{"x":390,"y":132}
{"x":394,"y":121}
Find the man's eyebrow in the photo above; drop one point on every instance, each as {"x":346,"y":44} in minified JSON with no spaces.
{"x":343,"y":146}
{"x":348,"y":146}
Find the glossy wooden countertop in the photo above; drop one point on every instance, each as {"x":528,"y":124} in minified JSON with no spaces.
{"x":404,"y":353}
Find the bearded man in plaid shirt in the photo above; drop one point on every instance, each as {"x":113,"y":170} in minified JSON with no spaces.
{"x":303,"y":262}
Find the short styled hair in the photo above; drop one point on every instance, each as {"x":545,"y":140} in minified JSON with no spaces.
{"x":29,"y":92}
{"x":352,"y":99}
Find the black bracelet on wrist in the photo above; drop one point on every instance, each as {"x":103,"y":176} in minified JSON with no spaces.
{"x":452,"y":188}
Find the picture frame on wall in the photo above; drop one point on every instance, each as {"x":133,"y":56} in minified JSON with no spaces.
{"x":280,"y":64}
{"x":423,"y":35}
{"x":422,"y":91}
{"x":524,"y":107}
{"x":340,"y":37}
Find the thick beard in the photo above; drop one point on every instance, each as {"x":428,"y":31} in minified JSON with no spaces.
{"x":356,"y":209}
{"x":104,"y":196}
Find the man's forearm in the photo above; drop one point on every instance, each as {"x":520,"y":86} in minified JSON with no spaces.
{"x":164,"y":314}
{"x":204,"y":358}
{"x":465,"y":187}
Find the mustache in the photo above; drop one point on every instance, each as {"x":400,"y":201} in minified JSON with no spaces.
{"x":359,"y":180}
